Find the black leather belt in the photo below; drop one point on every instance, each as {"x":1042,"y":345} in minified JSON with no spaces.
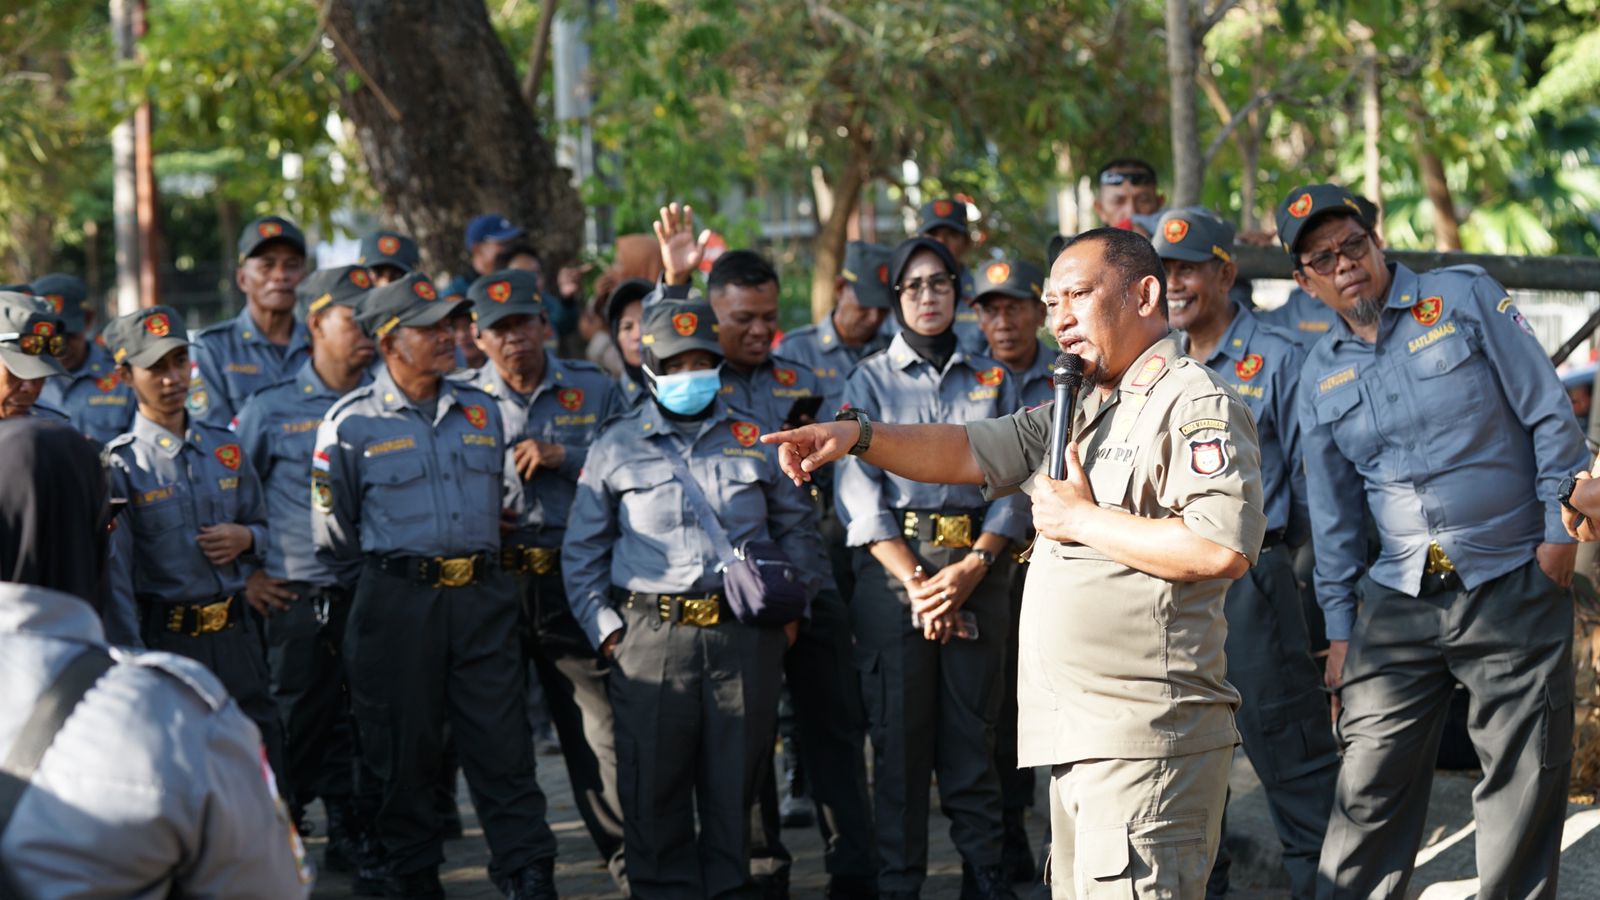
{"x":195,"y":619}
{"x":1272,"y":539}
{"x":946,"y":528}
{"x":435,"y":571}
{"x":702,"y":610}
{"x":526,"y":559}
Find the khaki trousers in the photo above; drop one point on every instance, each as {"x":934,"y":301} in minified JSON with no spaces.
{"x":1136,"y":827}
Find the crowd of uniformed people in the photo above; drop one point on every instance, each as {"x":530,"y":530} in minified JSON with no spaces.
{"x":377,"y":511}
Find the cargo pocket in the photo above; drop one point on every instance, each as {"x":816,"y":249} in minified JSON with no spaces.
{"x":1296,"y":737}
{"x":1102,"y":856}
{"x":1558,"y":724}
{"x":1170,"y":858}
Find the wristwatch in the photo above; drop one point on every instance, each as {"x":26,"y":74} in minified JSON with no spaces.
{"x":983,"y":556}
{"x":865,"y":440}
{"x":1564,"y":491}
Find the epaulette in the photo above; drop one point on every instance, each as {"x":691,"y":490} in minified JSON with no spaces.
{"x":122,"y":440}
{"x":360,"y":393}
{"x":619,"y":416}
{"x":584,"y":365}
{"x":193,"y":675}
{"x":1461,"y":269}
{"x":215,"y":328}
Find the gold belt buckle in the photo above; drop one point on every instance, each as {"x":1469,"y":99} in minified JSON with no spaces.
{"x":702,"y":612}
{"x":540,"y":560}
{"x":909,"y":525}
{"x":214,"y":617}
{"x":1438,"y":562}
{"x":953,"y":531}
{"x":454,"y":573}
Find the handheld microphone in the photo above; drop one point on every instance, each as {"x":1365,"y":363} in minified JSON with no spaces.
{"x":1068,"y":378}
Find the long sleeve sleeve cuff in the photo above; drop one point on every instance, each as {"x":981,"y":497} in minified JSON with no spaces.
{"x":880,"y":526}
{"x":572,"y":464}
{"x":1339,"y":620}
{"x":605,"y":622}
{"x":1554,"y":531}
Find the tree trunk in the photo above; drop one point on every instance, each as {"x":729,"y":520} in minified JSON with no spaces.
{"x":1188,"y":166}
{"x":444,"y":128}
{"x":828,"y":247}
{"x":1446,"y":227}
{"x":1372,"y":122}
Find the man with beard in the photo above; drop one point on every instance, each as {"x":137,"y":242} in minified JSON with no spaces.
{"x":305,"y":603}
{"x":264,"y":343}
{"x":1432,"y":394}
{"x":1283,"y":714}
{"x":91,"y":395}
{"x":1122,"y":688}
{"x":406,"y":481}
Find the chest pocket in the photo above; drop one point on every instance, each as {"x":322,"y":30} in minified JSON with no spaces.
{"x":396,"y":488}
{"x":649,"y":499}
{"x":1109,"y":479}
{"x":1441,"y":359}
{"x":481,"y":471}
{"x":1350,"y":421}
{"x":293,"y":451}
{"x":740,"y":502}
{"x":161,"y":516}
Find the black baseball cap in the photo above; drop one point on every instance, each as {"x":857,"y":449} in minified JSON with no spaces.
{"x":266,"y":230}
{"x":389,"y":248}
{"x":25,"y":319}
{"x":508,"y":292}
{"x":1193,"y":234}
{"x":68,"y":295}
{"x":943,"y":213}
{"x":340,"y":286}
{"x":1009,"y":278}
{"x":866,"y":267}
{"x":678,"y":326}
{"x":413,"y":301}
{"x":142,"y":338}
{"x":1308,"y":203}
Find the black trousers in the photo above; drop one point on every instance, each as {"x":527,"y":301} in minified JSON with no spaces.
{"x":574,"y":681}
{"x":306,"y":657}
{"x":420,"y":657}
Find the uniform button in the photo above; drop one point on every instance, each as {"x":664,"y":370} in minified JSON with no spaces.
{"x":1393,"y":397}
{"x":455,"y":515}
{"x":1439,"y":366}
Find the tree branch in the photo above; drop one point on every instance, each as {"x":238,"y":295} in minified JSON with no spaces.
{"x":1210,"y":20}
{"x":1239,"y":116}
{"x":541,"y":51}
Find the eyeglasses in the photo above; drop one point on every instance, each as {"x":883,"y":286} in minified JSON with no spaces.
{"x":35,"y":344}
{"x":939,"y":285}
{"x":1110,"y":178}
{"x":1353,"y":249}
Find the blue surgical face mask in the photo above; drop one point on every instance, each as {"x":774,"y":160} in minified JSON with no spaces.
{"x":686,"y":393}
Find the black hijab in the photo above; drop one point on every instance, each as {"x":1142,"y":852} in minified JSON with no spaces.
{"x":53,"y":509}
{"x":624,"y":294}
{"x":935,"y":348}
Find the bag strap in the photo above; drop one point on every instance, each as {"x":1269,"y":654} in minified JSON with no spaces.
{"x":50,"y":712}
{"x":697,"y":499}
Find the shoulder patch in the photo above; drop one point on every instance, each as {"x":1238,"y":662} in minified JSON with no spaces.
{"x":1190,"y":428}
{"x":193,"y":675}
{"x":1147,"y":374}
{"x":1208,"y":458}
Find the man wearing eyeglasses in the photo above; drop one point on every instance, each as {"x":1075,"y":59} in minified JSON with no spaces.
{"x":1431,"y":392}
{"x":92,"y":395}
{"x":1124,"y":188}
{"x":30,"y":340}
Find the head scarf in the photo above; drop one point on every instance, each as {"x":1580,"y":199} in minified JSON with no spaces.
{"x":935,"y":348}
{"x":53,"y":509}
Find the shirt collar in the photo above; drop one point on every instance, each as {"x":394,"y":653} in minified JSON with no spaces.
{"x":310,"y":382}
{"x":1235,"y":343}
{"x":652,"y":421}
{"x":828,"y":335}
{"x":30,"y":609}
{"x":394,"y":399}
{"x":165,"y":442}
{"x":245,"y":325}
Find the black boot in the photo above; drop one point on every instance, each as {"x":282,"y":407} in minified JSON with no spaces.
{"x":343,"y":853}
{"x":371,"y":872}
{"x":1017,"y":854}
{"x":852,"y":887}
{"x":420,"y":885}
{"x":985,"y":883}
{"x":532,"y":882}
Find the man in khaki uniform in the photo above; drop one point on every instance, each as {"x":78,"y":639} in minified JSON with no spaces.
{"x":1122,"y":688}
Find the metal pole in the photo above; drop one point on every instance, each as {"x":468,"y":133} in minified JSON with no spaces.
{"x":145,"y":177}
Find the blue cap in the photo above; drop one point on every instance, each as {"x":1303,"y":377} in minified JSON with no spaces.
{"x":491,"y":227}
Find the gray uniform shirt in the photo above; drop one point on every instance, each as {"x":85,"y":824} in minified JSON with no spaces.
{"x":567,"y":408}
{"x":1456,"y":425}
{"x":278,"y":430}
{"x":901,"y":387}
{"x":633,"y":527}
{"x":386,"y":480}
{"x":829,"y":358}
{"x":154,"y":782}
{"x":1302,"y":315}
{"x":233,"y":359}
{"x":176,"y":486}
{"x":93,"y":399}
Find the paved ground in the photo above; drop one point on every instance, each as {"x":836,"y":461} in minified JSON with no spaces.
{"x":1445,"y":870}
